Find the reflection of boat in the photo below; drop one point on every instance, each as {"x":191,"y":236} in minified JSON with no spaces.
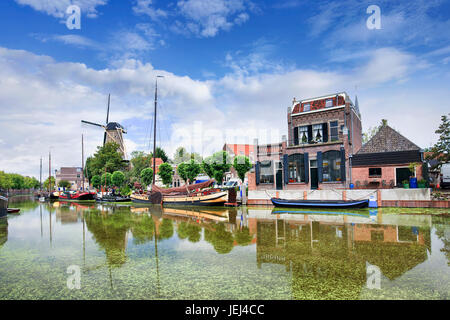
{"x":78,"y":196}
{"x":195,"y":194}
{"x":3,"y":206}
{"x":343,"y":204}
{"x":112,"y":198}
{"x":364,"y":214}
{"x":216,"y":215}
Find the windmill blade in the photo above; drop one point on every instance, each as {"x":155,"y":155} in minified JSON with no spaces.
{"x":93,"y":124}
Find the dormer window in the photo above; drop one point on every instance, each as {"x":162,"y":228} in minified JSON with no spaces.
{"x":328,"y":103}
{"x":306,"y":107}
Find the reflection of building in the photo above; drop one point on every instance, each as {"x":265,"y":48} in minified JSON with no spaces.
{"x":330,"y":252}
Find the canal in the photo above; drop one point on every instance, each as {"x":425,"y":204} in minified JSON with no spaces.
{"x":133,"y":252}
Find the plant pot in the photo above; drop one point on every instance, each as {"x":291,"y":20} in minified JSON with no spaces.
{"x":421,"y":185}
{"x":406,"y":186}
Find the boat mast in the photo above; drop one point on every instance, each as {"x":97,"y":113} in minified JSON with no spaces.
{"x":49,"y":171}
{"x":154,"y":128}
{"x":82,"y":163}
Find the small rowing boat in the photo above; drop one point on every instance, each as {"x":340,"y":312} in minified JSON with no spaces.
{"x":337,"y":204}
{"x":13,"y":210}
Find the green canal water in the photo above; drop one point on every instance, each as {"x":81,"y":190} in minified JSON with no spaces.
{"x":133,"y":252}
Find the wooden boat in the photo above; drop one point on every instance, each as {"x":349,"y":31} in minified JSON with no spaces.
{"x":3,"y":206}
{"x":13,"y":210}
{"x":78,"y":196}
{"x":199,"y":194}
{"x":342,"y":204}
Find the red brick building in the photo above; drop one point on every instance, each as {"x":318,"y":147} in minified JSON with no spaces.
{"x":323,"y":133}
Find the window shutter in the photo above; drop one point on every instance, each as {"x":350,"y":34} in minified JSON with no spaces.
{"x":296,"y":136}
{"x":257,"y":170}
{"x":343,"y":164}
{"x":306,"y":159}
{"x":310,"y":133}
{"x":320,"y":166}
{"x":325,"y":132}
{"x":285,"y":169}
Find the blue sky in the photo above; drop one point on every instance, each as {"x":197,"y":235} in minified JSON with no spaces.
{"x":231,"y":70}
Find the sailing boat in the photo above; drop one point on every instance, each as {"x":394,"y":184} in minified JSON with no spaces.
{"x":196,"y":194}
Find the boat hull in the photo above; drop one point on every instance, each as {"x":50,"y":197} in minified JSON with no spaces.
{"x":113,"y":199}
{"x":77,"y":197}
{"x":3,"y":206}
{"x":336,"y":204}
{"x":211,"y":199}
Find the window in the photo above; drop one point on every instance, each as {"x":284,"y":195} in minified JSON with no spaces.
{"x":332,"y":166}
{"x":266,"y":171}
{"x":296,"y":168}
{"x":328,"y":103}
{"x":303,"y":134}
{"x":334,"y":136}
{"x":374,"y":172}
{"x":306,"y":107}
{"x":318,"y":132}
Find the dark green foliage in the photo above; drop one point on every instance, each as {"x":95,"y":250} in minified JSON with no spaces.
{"x":165,"y":171}
{"x":242,"y":165}
{"x":117,"y":178}
{"x":64,"y":184}
{"x":441,"y":150}
{"x":96,"y":181}
{"x":147,"y":176}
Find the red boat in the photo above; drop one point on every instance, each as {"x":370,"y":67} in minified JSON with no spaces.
{"x":78,"y":196}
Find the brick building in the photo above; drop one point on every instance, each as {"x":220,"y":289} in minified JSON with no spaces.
{"x":323,"y":133}
{"x":73,"y":175}
{"x":247,"y":150}
{"x":383,"y":162}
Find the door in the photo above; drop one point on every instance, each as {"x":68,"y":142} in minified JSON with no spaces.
{"x":402,"y":174}
{"x":314,"y":178}
{"x":279,"y":179}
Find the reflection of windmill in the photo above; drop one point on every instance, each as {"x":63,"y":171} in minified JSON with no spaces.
{"x":113,"y":131}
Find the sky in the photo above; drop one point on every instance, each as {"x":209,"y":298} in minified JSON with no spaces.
{"x":231,"y":69}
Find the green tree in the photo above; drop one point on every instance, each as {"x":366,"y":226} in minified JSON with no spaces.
{"x":64,"y":184}
{"x":221,"y":163}
{"x":18,"y":182}
{"x":165,"y":171}
{"x":139,"y":161}
{"x":181,"y":170}
{"x":5,"y":181}
{"x":31,"y":183}
{"x":147,"y":176}
{"x":160,"y":153}
{"x":107,"y":157}
{"x":181,"y":155}
{"x":96,"y":181}
{"x":207,"y":166}
{"x":52,"y":183}
{"x":242,"y":165}
{"x":106,"y":179}
{"x":441,"y":149}
{"x":191,"y":170}
{"x":118,"y":178}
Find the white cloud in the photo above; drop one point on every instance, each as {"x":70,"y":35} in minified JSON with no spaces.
{"x":57,"y":8}
{"x":42,"y":102}
{"x":145,"y":7}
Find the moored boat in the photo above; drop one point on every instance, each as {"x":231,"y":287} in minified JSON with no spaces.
{"x":196,"y":194}
{"x":112,"y":198}
{"x":3,"y":206}
{"x":77,"y":196}
{"x":13,"y":210}
{"x":337,"y":204}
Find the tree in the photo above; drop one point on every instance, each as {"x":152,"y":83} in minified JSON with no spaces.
{"x":242,"y":165}
{"x":160,"y":153}
{"x":181,"y":155}
{"x":107,"y":157}
{"x":192,"y":169}
{"x":96,"y":181}
{"x":52,"y":183}
{"x":221,"y":163}
{"x":117,"y":178}
{"x":18,"y":182}
{"x":165,"y":171}
{"x":207,"y":166}
{"x":139,"y":161}
{"x":5,"y":181}
{"x":441,"y":149}
{"x":181,"y":170}
{"x":64,"y":184}
{"x":31,"y":183}
{"x":147,"y":176}
{"x":106,"y":179}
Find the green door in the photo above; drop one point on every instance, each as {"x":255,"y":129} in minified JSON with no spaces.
{"x":314,"y":178}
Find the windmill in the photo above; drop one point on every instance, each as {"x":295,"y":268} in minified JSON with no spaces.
{"x":113,"y":131}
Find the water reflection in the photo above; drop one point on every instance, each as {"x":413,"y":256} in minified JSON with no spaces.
{"x":320,"y":254}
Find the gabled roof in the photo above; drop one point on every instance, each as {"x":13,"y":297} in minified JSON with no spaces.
{"x":387,"y":140}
